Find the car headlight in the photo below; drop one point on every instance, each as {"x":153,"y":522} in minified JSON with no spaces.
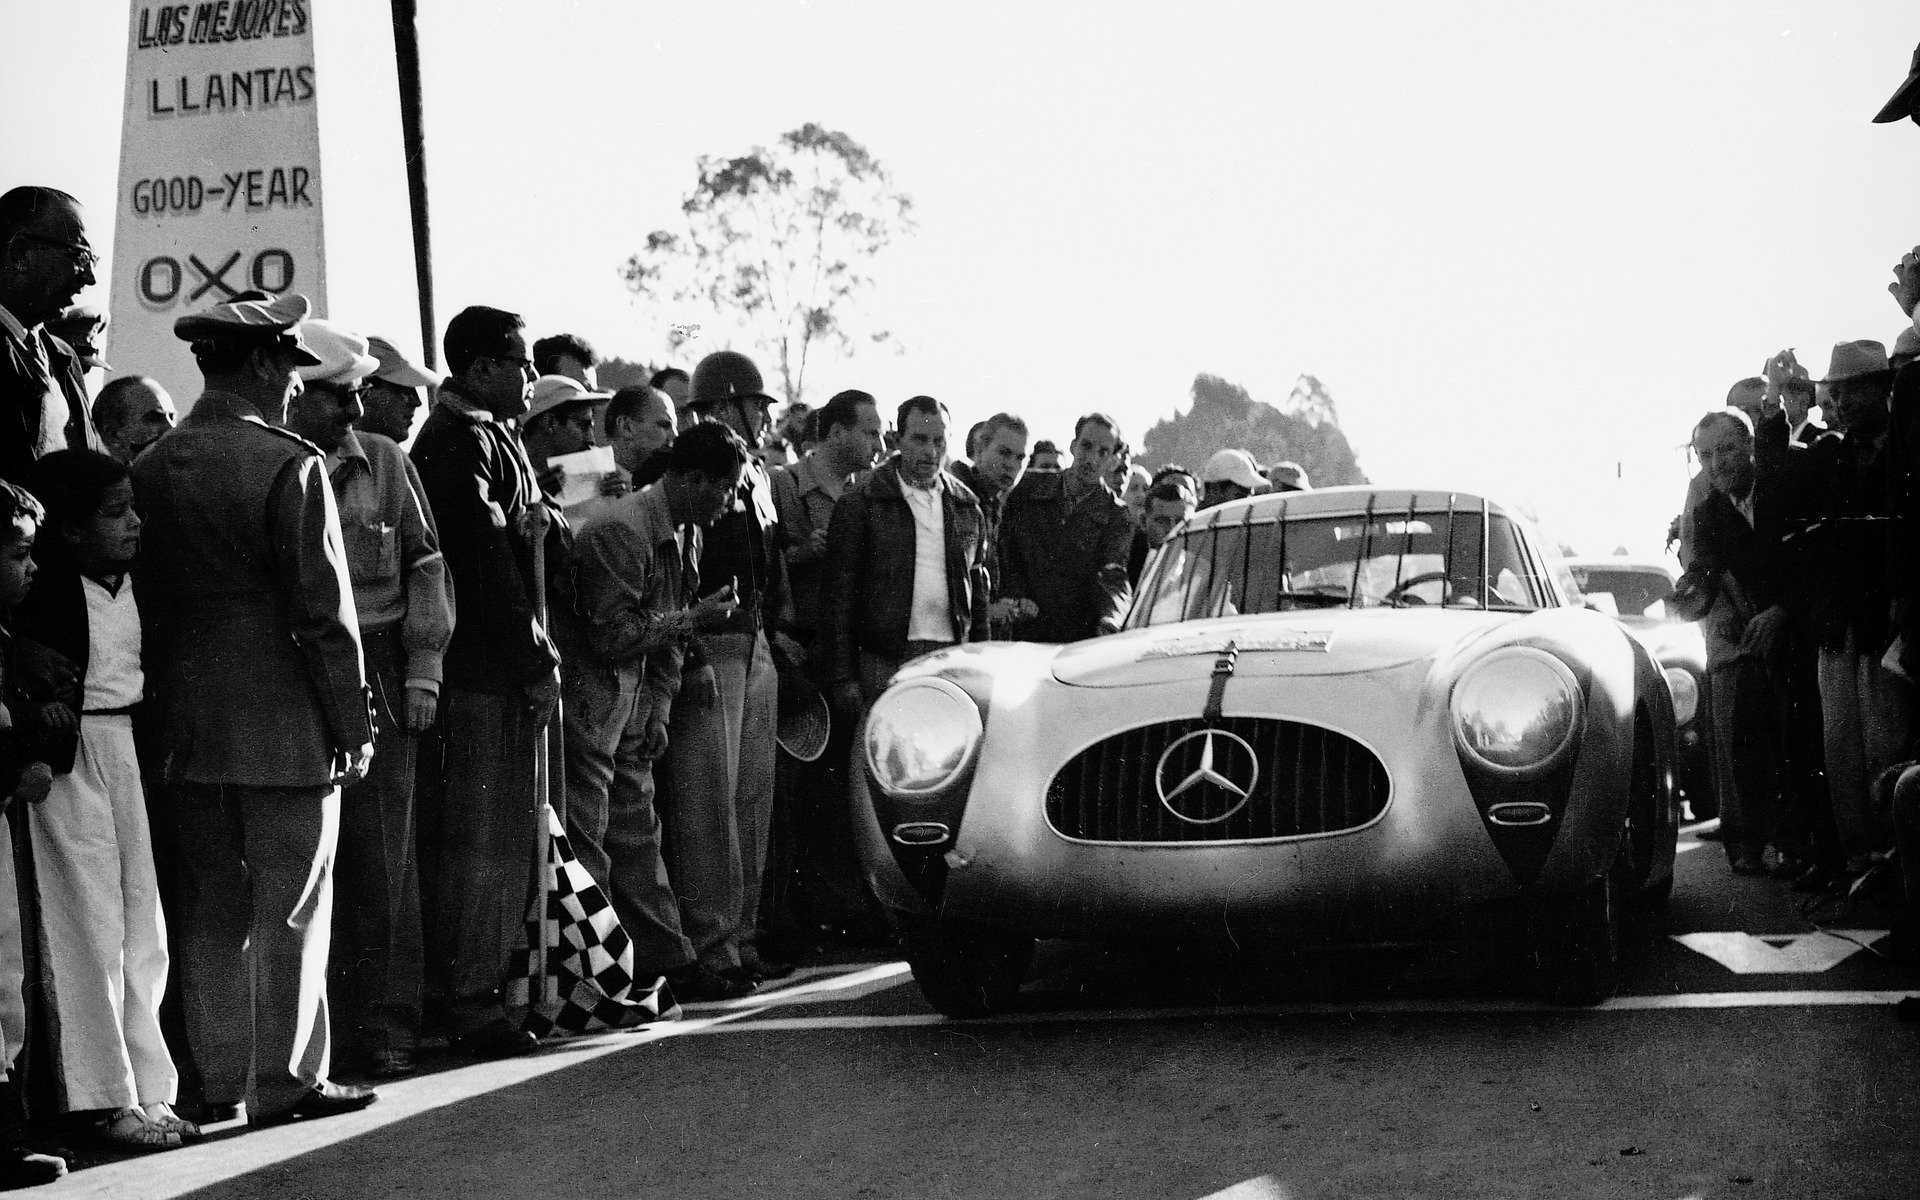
{"x":1686,"y":694}
{"x":920,"y":736}
{"x":1517,"y":711}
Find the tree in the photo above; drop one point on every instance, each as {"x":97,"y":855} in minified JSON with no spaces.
{"x":615,"y":373}
{"x":1224,"y":416}
{"x":777,"y":241}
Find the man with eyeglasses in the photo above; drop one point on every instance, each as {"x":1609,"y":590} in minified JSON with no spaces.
{"x":501,"y":675}
{"x":405,"y":613}
{"x":44,"y":263}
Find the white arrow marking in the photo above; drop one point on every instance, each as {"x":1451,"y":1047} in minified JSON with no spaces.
{"x":1788,"y":954}
{"x":1264,"y":1187}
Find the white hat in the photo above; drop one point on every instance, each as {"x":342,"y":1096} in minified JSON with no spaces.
{"x":1233,"y":466}
{"x":552,"y":391}
{"x":396,"y":367}
{"x":343,"y":354}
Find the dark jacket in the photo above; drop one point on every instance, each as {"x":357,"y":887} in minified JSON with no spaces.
{"x":1726,"y":545}
{"x":866,"y":593}
{"x":744,"y":548}
{"x":1839,"y":518}
{"x":479,"y":485}
{"x":22,"y":387}
{"x":54,"y":614}
{"x":993,"y":506}
{"x":249,"y":611}
{"x":1068,"y":558}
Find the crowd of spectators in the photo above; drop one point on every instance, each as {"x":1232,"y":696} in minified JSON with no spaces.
{"x":290,"y":681}
{"x":1799,"y":541}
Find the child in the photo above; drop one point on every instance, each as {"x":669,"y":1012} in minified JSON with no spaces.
{"x":28,"y":782}
{"x":105,"y":944}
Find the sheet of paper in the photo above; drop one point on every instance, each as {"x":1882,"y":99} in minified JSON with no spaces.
{"x":585,"y":470}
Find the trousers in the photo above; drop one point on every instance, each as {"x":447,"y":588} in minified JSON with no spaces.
{"x":702,"y":847}
{"x":1868,"y":712}
{"x":256,"y":867}
{"x":106,"y":940}
{"x":749,"y":703}
{"x":377,"y":950}
{"x":611,"y":820}
{"x":485,"y":842}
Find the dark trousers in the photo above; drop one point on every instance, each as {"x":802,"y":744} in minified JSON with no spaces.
{"x":1746,"y":726}
{"x":1906,"y":841}
{"x":611,"y":820}
{"x":377,"y":951}
{"x":256,"y":885}
{"x":484,"y":847}
{"x":813,"y":874}
{"x":1806,"y":829}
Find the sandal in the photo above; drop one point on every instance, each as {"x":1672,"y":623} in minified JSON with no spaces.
{"x":129,"y":1129}
{"x":161,"y":1113}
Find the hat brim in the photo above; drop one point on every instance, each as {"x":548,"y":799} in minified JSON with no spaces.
{"x":1902,"y":103}
{"x":762,"y":397}
{"x":804,"y":722}
{"x":405,"y":374}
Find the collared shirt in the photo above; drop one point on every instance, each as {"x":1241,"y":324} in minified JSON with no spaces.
{"x":114,"y":679}
{"x":53,"y":402}
{"x":930,"y":618}
{"x":634,"y":567}
{"x":393,"y":551}
{"x":805,"y":495}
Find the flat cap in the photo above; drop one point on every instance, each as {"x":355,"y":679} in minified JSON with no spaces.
{"x":396,"y":367}
{"x":251,"y":320}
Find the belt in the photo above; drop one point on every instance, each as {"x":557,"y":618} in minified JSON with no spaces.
{"x":108,"y":712}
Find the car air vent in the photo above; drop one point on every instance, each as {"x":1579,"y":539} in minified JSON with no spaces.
{"x":1243,"y":779}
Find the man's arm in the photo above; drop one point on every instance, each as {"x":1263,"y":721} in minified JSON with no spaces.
{"x":849,"y":542}
{"x":801,"y":546}
{"x":626,"y":615}
{"x":310,"y":565}
{"x":428,"y":625}
{"x":1111,"y":592}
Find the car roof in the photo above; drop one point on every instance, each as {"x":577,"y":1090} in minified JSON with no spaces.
{"x":1644,"y":565}
{"x":1351,"y":500}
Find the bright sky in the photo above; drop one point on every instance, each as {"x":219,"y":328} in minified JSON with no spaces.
{"x":1525,"y":245}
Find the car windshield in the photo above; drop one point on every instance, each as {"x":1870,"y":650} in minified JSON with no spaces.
{"x":1405,"y":560}
{"x":1625,"y":591}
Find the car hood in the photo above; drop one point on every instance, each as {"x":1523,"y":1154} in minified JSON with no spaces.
{"x":1309,"y":642}
{"x":1671,"y":642}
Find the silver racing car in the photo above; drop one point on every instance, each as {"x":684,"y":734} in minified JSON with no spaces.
{"x":1356,"y":715}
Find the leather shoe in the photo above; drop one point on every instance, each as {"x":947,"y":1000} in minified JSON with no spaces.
{"x":1748,"y":864}
{"x":208,"y":1112}
{"x":759,"y":969}
{"x":498,"y":1038}
{"x":697,"y":983}
{"x":1818,"y":878}
{"x":328,"y":1100}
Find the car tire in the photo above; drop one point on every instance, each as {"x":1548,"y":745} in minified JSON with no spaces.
{"x":1574,"y":941}
{"x":966,"y":972}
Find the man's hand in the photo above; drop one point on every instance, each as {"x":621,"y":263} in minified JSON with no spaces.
{"x":1906,"y":281}
{"x":819,"y":541}
{"x":1012,"y":609}
{"x":712,"y":612}
{"x":552,"y":480}
{"x":1763,"y":634}
{"x":352,"y":765}
{"x":788,"y":654}
{"x":532,"y":522}
{"x":36,"y":780}
{"x":699,"y":687}
{"x":653,"y":744}
{"x":542,"y":695}
{"x":847,"y":698}
{"x":58,"y":717}
{"x":422,"y":707}
{"x":1780,"y":368}
{"x":615,"y":483}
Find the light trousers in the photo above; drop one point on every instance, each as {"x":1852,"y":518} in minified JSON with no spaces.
{"x":1868,"y":713}
{"x":702,"y":846}
{"x":106,"y":941}
{"x":749,"y":704}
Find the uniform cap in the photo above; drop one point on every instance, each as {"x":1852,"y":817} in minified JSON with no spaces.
{"x":251,"y":320}
{"x":81,"y":327}
{"x":396,"y":367}
{"x":343,"y":354}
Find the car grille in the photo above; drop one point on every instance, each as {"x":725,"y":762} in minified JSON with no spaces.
{"x":1311,"y":780}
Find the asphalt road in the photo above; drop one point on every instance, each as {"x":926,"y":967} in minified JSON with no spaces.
{"x":1749,"y":1055}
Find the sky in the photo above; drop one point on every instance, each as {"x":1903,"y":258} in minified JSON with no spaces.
{"x":1524,"y":245}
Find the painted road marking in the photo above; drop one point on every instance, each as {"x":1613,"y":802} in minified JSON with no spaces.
{"x":1263,"y":1187}
{"x":1437,"y":1007}
{"x":850,"y":986}
{"x":1785,"y":954}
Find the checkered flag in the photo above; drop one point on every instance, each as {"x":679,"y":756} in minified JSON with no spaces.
{"x":587,"y":952}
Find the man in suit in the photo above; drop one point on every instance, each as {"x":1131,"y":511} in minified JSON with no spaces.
{"x":258,"y":652}
{"x":1064,"y":543}
{"x":44,"y":262}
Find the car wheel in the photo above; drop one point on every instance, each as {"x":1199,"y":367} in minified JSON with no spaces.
{"x":966,"y":972}
{"x":1574,"y":940}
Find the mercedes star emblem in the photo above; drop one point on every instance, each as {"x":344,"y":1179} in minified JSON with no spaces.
{"x":1225,"y":760}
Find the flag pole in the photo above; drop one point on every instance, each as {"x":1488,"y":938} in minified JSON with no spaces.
{"x":406,"y":48}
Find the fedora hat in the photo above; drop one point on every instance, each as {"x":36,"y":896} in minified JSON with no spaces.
{"x":555,"y":391}
{"x":1856,"y":360}
{"x":1906,"y":347}
{"x":1906,"y":100}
